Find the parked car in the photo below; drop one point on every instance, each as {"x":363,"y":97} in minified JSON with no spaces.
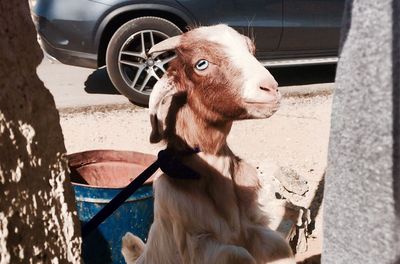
{"x":118,"y":33}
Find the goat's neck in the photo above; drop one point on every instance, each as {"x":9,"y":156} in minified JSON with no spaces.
{"x":193,"y":131}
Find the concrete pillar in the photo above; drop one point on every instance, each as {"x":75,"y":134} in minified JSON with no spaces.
{"x":38,"y":222}
{"x":361,"y":213}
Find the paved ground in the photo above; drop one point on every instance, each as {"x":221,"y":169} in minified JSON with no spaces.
{"x":76,"y":87}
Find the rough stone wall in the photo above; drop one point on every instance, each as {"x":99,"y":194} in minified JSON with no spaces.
{"x":38,"y":222}
{"x":360,"y":219}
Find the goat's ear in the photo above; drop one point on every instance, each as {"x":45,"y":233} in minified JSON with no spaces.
{"x":160,"y":100}
{"x":158,"y":120}
{"x":168,"y":44}
{"x":155,"y":134}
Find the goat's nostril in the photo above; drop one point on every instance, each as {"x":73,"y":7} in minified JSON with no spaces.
{"x":269,"y":89}
{"x":269,"y":85}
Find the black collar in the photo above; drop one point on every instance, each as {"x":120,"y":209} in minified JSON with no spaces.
{"x":170,"y":162}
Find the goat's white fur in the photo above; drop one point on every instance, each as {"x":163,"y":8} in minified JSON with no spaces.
{"x":206,"y":221}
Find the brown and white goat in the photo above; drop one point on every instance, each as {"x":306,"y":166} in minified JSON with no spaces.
{"x":214,"y":80}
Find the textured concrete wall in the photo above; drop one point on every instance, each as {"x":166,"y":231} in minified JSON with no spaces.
{"x":38,"y":222}
{"x":361,"y":192}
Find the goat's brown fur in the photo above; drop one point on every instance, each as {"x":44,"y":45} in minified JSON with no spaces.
{"x":217,"y":218}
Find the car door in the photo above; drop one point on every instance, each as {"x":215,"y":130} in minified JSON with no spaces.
{"x":260,"y":19}
{"x":311,"y":25}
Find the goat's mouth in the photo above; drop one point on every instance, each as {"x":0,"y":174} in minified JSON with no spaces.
{"x":257,"y":109}
{"x":268,"y":101}
{"x":263,"y":103}
{"x":271,"y":106}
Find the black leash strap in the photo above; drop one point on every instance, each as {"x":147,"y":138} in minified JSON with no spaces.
{"x":119,"y":199}
{"x":167,"y":161}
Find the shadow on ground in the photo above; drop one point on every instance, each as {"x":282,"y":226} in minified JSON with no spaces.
{"x":311,"y":260}
{"x":99,"y":83}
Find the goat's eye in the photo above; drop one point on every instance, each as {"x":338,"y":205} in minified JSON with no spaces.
{"x":201,"y":65}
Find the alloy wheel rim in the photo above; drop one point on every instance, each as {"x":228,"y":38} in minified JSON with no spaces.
{"x":138,"y":70}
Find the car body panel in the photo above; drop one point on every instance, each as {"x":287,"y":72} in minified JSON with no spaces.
{"x":67,"y":25}
{"x":260,"y":19}
{"x":311,"y":25}
{"x":72,"y":30}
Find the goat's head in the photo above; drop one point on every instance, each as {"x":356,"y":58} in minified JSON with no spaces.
{"x":216,"y":67}
{"x":216,"y":71}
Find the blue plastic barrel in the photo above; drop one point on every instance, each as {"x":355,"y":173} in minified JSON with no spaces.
{"x":97,"y":176}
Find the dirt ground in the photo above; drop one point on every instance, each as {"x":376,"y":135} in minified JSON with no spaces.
{"x":295,"y":137}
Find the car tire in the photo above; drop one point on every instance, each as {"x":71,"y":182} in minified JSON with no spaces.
{"x":128,"y":66}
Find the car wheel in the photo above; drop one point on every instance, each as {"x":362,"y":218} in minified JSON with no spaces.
{"x":131,"y":70}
